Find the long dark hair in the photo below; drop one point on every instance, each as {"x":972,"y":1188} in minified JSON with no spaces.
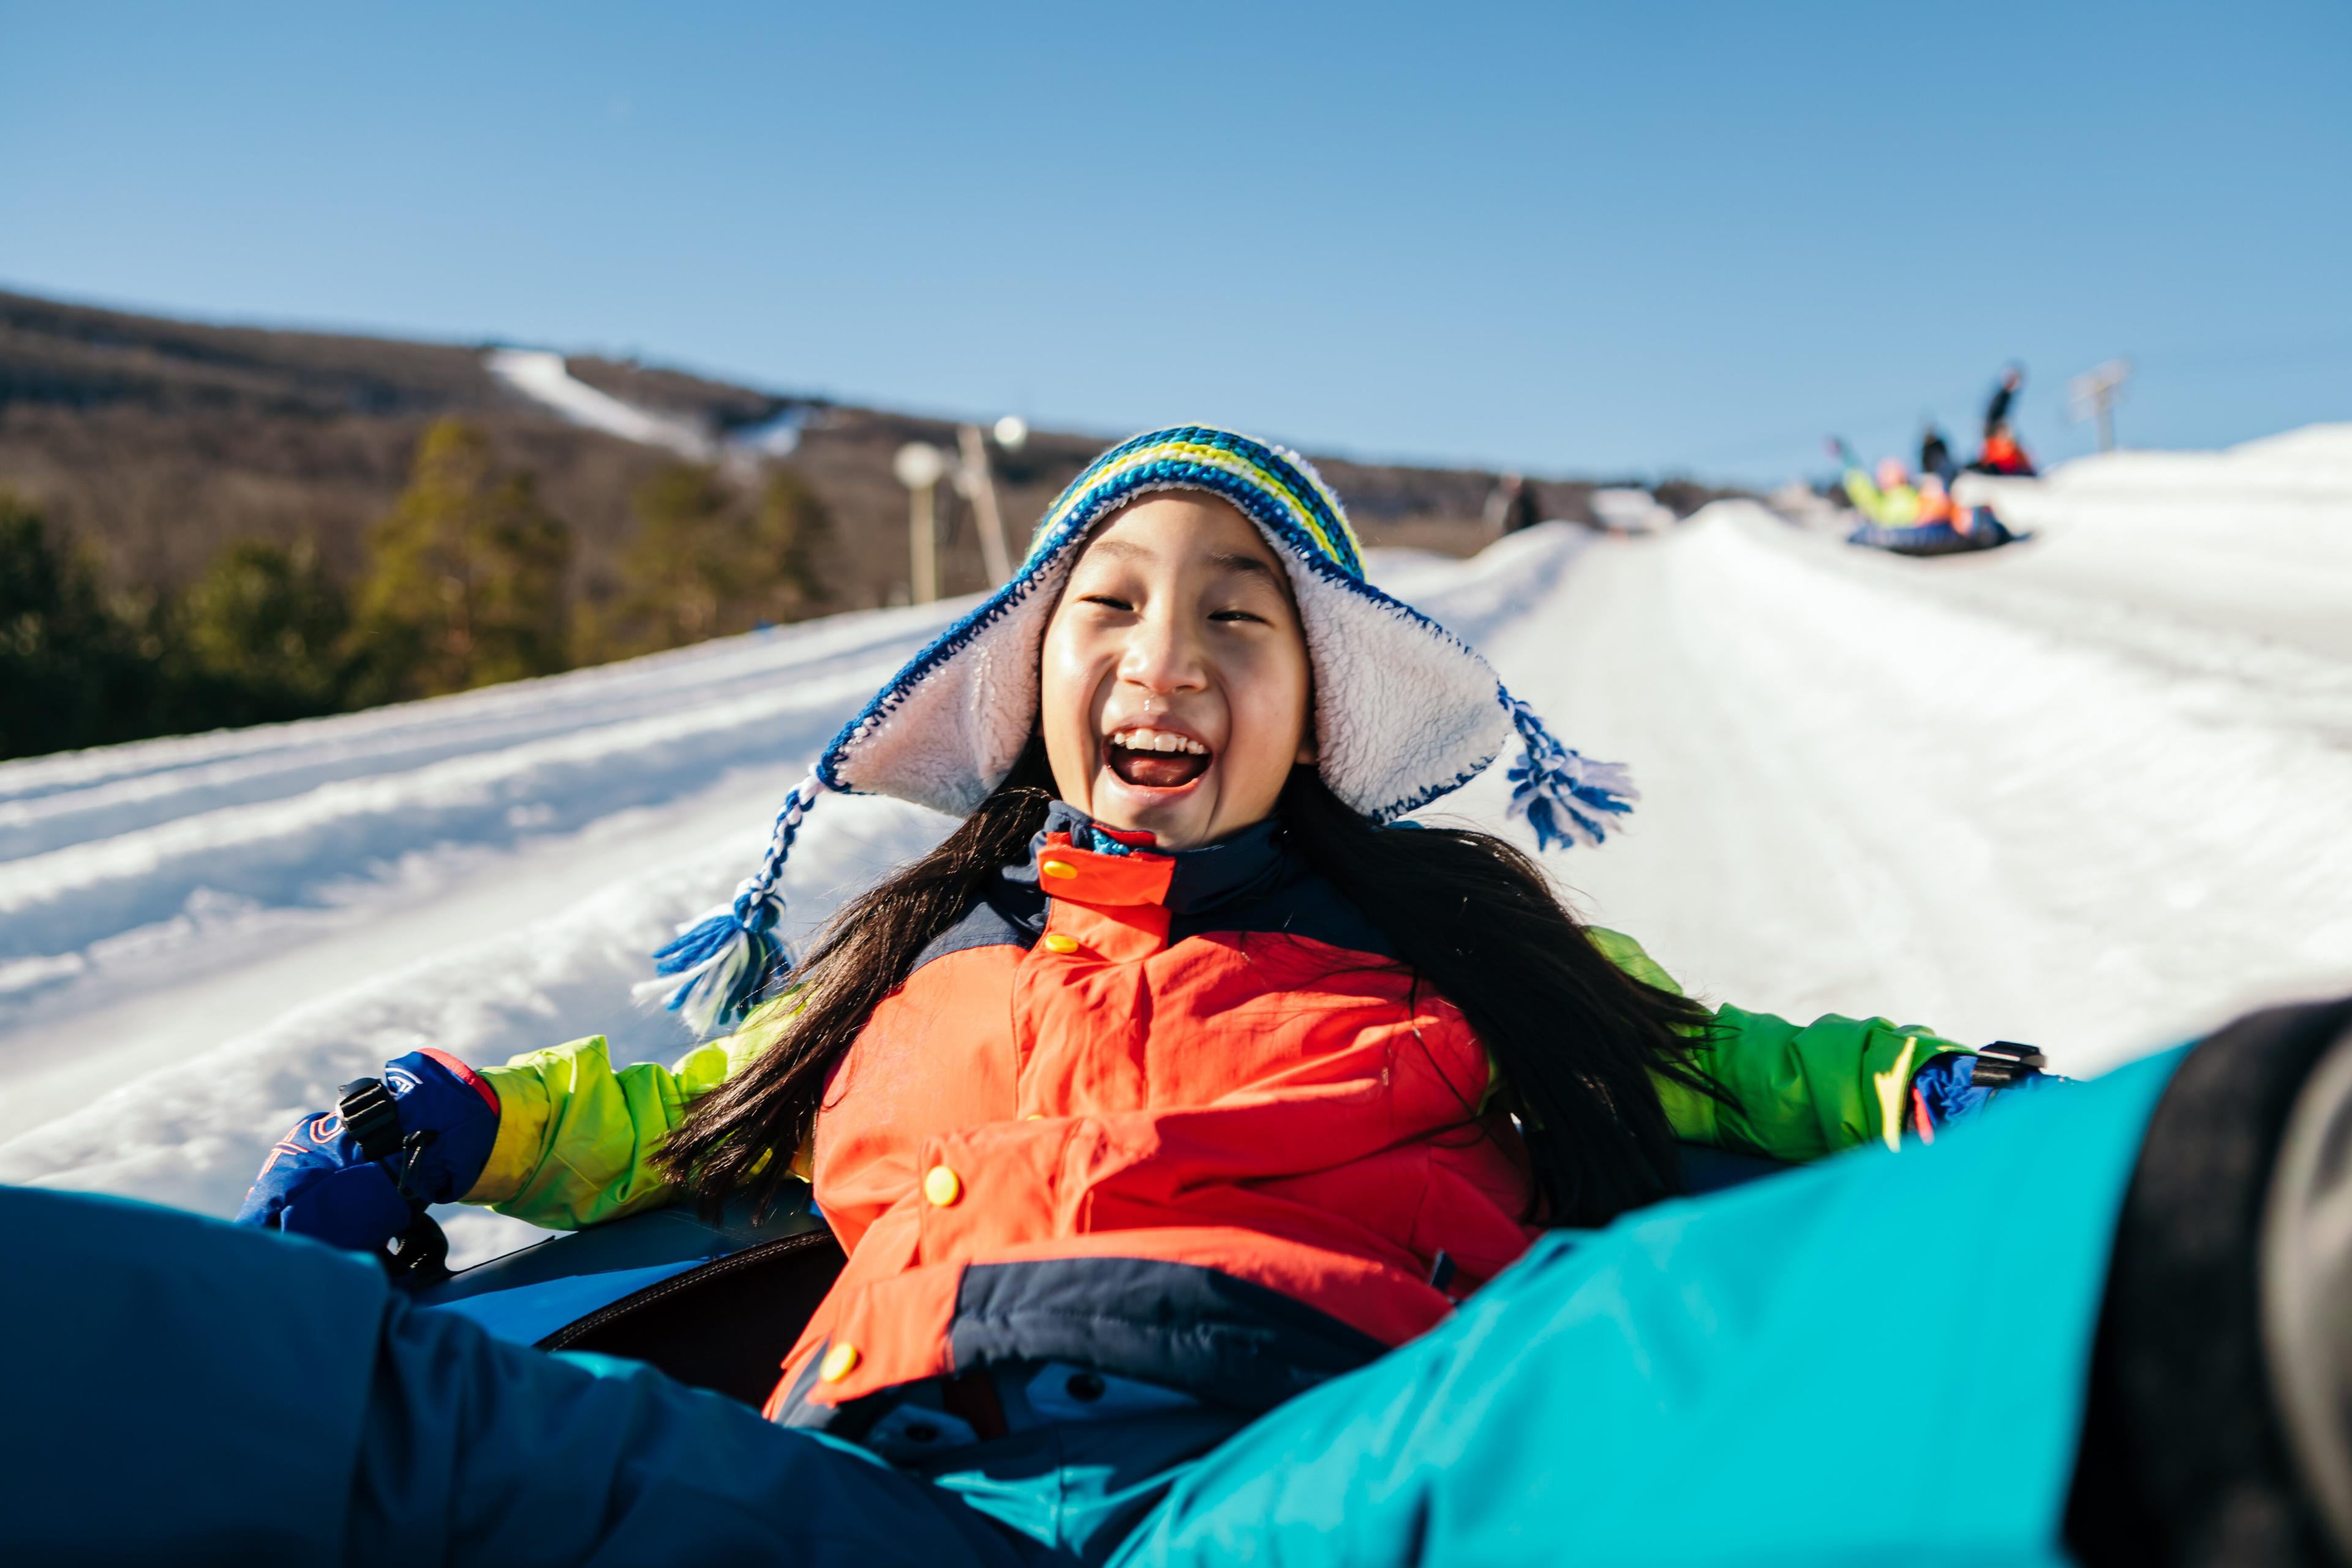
{"x":1576,"y":1038}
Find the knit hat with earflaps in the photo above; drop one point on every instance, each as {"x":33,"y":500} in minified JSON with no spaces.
{"x":1405,"y":711}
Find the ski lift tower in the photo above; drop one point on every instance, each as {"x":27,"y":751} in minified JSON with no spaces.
{"x":2094,"y":394}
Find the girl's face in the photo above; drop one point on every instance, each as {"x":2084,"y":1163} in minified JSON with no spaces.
{"x":1175,"y":693}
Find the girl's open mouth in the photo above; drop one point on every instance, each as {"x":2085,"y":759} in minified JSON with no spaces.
{"x":1155,"y":759}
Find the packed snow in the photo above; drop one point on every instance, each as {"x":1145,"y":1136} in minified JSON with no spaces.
{"x":2093,"y":791}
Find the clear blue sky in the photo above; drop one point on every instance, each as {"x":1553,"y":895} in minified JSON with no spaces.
{"x":1605,"y":237}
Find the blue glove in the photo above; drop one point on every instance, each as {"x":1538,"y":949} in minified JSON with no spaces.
{"x":1941,"y":1093}
{"x":1949,"y":1088}
{"x":318,"y":1183}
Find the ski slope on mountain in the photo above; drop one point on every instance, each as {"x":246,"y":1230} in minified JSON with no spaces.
{"x":2052,"y":793}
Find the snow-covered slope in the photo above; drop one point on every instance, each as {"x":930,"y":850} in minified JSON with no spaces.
{"x":2024,"y":794}
{"x":545,"y":379}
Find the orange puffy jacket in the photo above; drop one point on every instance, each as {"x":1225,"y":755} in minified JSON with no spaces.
{"x":1174,"y":1117}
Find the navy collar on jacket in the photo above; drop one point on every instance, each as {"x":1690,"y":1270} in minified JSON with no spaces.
{"x":1236,"y":869}
{"x":1254,"y":880}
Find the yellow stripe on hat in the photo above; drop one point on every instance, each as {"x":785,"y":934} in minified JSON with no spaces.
{"x":1231,"y":462}
{"x":1264,"y":480}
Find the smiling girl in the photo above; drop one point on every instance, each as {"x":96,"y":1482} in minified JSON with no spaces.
{"x":1178,"y":1078}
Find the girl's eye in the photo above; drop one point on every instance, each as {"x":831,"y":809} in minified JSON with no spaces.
{"x":1237,"y":616}
{"x":1108,"y":601}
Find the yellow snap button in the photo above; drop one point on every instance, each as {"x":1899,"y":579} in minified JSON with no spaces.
{"x":1060,"y":941}
{"x":942,"y":1185}
{"x":1057,"y":867}
{"x":1035,"y":1116}
{"x":839,"y":1362}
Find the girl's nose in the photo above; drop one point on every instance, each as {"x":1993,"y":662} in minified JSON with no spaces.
{"x":1162,"y":655}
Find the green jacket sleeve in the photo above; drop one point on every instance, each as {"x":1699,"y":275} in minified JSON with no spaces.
{"x":577,"y":1136}
{"x":1796,"y":1091}
{"x":1863,"y":493}
{"x":1897,"y":508}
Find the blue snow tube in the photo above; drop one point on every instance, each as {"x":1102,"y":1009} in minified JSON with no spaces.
{"x":1985,"y":532}
{"x":715,"y":1303}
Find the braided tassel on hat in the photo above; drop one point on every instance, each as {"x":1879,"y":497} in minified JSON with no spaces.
{"x":717,"y":967}
{"x":1565,"y":795}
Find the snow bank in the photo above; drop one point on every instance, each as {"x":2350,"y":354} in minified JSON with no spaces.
{"x":2266,"y":525}
{"x":2291,"y":488}
{"x":2258,"y":537}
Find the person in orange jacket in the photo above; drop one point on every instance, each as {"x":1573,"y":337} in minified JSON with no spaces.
{"x":2001,"y":452}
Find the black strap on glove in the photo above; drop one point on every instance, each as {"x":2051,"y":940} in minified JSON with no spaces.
{"x":371,"y":1115}
{"x":418,"y":1256}
{"x":2005,"y":1064}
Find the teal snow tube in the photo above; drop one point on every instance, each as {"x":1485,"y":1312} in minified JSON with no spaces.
{"x":1819,"y":1368}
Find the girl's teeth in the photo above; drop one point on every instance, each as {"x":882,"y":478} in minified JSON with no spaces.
{"x":1157,"y":741}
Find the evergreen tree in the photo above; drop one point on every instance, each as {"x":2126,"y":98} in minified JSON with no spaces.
{"x":71,"y":672}
{"x":684,"y":565}
{"x":707,"y":564}
{"x":267,"y":623}
{"x":466,"y":582}
{"x":794,"y":527}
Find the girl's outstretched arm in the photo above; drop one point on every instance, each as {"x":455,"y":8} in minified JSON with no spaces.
{"x":577,"y":1136}
{"x":1796,"y":1091}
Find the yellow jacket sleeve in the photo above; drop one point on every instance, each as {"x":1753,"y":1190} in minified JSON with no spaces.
{"x":577,"y":1136}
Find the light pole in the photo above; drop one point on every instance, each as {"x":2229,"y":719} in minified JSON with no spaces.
{"x":920,"y":467}
{"x":974,"y":481}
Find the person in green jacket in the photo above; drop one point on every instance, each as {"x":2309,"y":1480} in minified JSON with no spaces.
{"x":1888,"y":498}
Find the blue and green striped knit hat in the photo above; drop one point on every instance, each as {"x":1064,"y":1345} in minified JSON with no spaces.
{"x":1405,"y":710}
